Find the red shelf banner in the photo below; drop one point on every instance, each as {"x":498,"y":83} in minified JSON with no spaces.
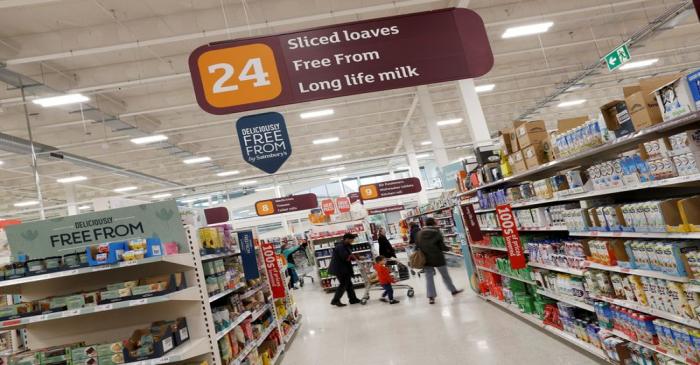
{"x":506,"y":219}
{"x":274,"y":276}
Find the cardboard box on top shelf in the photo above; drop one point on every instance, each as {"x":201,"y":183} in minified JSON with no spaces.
{"x":675,"y":98}
{"x":641,"y":102}
{"x":516,"y":162}
{"x":506,"y":140}
{"x":514,"y":145}
{"x":564,"y":125}
{"x":549,"y":148}
{"x":531,"y":132}
{"x":617,"y":118}
{"x":534,"y":155}
{"x":690,"y":212}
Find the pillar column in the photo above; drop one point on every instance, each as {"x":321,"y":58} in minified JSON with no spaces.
{"x":426,"y":107}
{"x":478,"y":129}
{"x":413,"y":165}
{"x":70,"y":199}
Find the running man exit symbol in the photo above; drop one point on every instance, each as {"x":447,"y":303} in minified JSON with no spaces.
{"x":617,"y":57}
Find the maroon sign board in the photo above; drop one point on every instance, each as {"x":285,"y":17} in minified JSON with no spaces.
{"x":216,"y":215}
{"x":339,"y":60}
{"x":387,"y":209}
{"x":472,"y":223}
{"x":354,"y":197}
{"x":390,"y":188}
{"x":509,"y":229}
{"x":287,"y":204}
{"x":697,"y":7}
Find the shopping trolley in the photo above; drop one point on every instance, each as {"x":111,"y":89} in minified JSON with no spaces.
{"x":398,"y":270}
{"x":304,"y":267}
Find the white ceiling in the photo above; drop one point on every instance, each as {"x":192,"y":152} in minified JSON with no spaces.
{"x":130,"y":57}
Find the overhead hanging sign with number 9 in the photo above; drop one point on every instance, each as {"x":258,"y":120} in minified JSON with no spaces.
{"x":339,"y":60}
{"x":390,"y":188}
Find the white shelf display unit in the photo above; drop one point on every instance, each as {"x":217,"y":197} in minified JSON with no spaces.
{"x":445,"y":220}
{"x":105,"y":311}
{"x":322,"y":240}
{"x":609,"y":269}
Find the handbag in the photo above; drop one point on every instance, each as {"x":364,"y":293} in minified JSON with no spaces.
{"x":417,"y":260}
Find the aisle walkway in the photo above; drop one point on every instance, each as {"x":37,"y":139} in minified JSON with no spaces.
{"x":460,"y":330}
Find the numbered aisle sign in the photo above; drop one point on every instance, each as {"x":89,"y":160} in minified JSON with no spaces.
{"x":288,"y":204}
{"x":390,"y":188}
{"x":264,"y":141}
{"x":340,"y":60}
{"x":506,"y":219}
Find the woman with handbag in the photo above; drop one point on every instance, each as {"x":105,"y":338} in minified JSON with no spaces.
{"x":431,"y":244}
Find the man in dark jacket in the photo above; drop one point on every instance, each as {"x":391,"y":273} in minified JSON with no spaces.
{"x":431,"y":242}
{"x":341,"y":267}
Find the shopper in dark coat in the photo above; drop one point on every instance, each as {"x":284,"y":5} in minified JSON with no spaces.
{"x":341,"y":267}
{"x":431,"y":242}
{"x":413,"y":230}
{"x":385,"y":248}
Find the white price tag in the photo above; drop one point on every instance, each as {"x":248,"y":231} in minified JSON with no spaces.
{"x":128,"y":263}
{"x":100,"y":268}
{"x":69,"y":272}
{"x":103,"y":307}
{"x":138,"y":302}
{"x":164,"y":360}
{"x":184,"y":334}
{"x":70,"y":313}
{"x":37,"y":319}
{"x":168,"y":344}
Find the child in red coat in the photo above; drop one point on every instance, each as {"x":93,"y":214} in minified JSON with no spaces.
{"x":385,"y":279}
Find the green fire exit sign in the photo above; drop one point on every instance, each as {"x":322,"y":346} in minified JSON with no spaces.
{"x":617,"y":57}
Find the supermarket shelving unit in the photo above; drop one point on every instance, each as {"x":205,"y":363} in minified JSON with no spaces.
{"x":446,"y":223}
{"x":586,"y":158}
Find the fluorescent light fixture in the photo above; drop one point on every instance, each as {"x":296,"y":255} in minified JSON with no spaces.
{"x":248,"y":182}
{"x":403,"y":168}
{"x":638,"y":64}
{"x":565,"y":104}
{"x":244,"y":211}
{"x":149,"y":139}
{"x":61,"y":100}
{"x":426,"y":143}
{"x":449,"y":121}
{"x":336,"y":178}
{"x":485,"y":88}
{"x":228,"y":173}
{"x":187,"y":201}
{"x":28,"y":203}
{"x":162,"y":196}
{"x":194,"y":160}
{"x":84,"y":207}
{"x":125,"y":189}
{"x":524,"y":30}
{"x":336,"y":169}
{"x":423,"y":155}
{"x":331,"y":157}
{"x":72,"y":179}
{"x":317,"y":113}
{"x":1,"y":163}
{"x":265,"y":189}
{"x":326,"y":140}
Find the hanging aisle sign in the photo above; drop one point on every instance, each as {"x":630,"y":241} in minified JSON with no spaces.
{"x":509,"y":229}
{"x":387,"y":189}
{"x":472,"y":223}
{"x":274,"y":276}
{"x":340,"y":60}
{"x":264,"y":141}
{"x":286,"y":205}
{"x":246,"y":241}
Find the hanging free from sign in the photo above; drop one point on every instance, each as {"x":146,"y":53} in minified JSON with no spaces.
{"x":263,"y":140}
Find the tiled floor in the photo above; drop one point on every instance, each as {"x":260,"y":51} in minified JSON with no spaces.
{"x":460,"y":330}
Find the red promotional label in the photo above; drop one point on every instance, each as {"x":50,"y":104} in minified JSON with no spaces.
{"x":286,"y":205}
{"x":328,"y":206}
{"x":506,"y":219}
{"x":340,"y":60}
{"x":472,"y":223}
{"x":274,"y":276}
{"x":387,"y":189}
{"x":389,"y":209}
{"x":354,"y":197}
{"x":343,"y":204}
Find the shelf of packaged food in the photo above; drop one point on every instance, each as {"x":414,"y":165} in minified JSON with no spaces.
{"x":566,"y":299}
{"x":648,"y":273}
{"x":250,"y":292}
{"x":226,"y":292}
{"x":695,"y":288}
{"x":188,"y":350}
{"x":490,"y":248}
{"x":651,"y":347}
{"x":278,"y":354}
{"x":177,"y":260}
{"x":246,"y":350}
{"x":529,"y":229}
{"x":233,"y":325}
{"x":266,"y":333}
{"x":648,"y":310}
{"x":506,"y":275}
{"x":599,"y":353}
{"x":330,"y":248}
{"x":428,"y":212}
{"x":289,"y":336}
{"x":453,"y":254}
{"x":681,"y":235}
{"x":605,"y":151}
{"x":187,"y":294}
{"x":214,"y":256}
{"x":568,"y":270}
{"x":259,"y":312}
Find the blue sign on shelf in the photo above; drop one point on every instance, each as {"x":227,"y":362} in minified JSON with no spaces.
{"x":248,"y":257}
{"x":264,"y":141}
